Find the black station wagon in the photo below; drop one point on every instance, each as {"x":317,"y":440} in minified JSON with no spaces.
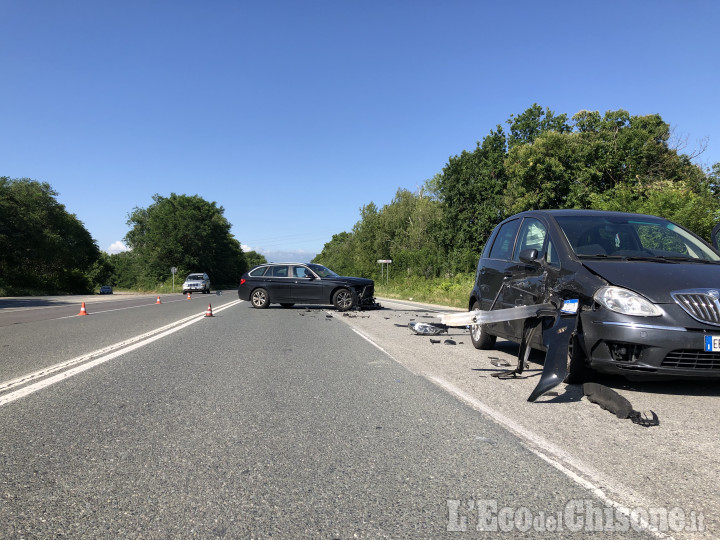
{"x":288,"y":284}
{"x":647,"y":290}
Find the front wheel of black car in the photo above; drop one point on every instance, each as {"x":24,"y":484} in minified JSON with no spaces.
{"x":578,"y":371}
{"x":342,"y":299}
{"x":260,"y":299}
{"x":479,"y":336}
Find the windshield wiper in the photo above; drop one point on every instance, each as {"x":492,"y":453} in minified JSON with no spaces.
{"x":684,"y":258}
{"x":651,"y":258}
{"x":600,"y":256}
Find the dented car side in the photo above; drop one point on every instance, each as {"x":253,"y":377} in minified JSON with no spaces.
{"x":647,"y":293}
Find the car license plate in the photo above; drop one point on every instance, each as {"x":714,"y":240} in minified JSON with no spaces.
{"x":712,"y":343}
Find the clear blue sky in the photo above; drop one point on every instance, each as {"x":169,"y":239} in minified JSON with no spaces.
{"x":291,"y":115}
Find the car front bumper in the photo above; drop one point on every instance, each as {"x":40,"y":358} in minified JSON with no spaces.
{"x":647,"y":348}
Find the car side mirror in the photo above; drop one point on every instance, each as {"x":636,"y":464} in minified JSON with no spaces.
{"x":714,"y":236}
{"x":529,"y":256}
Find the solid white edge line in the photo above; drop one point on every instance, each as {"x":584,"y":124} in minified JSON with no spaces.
{"x":132,"y":344}
{"x":544,"y":449}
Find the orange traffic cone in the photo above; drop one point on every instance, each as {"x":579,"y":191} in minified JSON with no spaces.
{"x":208,"y":313}
{"x":189,"y":297}
{"x":83,"y":311}
{"x":158,"y":301}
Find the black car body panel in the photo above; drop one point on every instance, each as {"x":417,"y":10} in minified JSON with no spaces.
{"x":305,"y":283}
{"x":676,"y":279}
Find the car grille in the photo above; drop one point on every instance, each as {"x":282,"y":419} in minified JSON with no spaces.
{"x":701,"y":304}
{"x":691,"y":359}
{"x":367,"y":292}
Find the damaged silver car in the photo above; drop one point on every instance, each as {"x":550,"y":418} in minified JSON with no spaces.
{"x":643,"y":294}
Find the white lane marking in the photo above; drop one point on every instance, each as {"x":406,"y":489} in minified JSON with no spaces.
{"x":371,"y":342}
{"x":105,"y":354}
{"x":544,"y":449}
{"x":91,"y":311}
{"x":550,"y":453}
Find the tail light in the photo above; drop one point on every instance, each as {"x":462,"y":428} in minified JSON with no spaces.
{"x":242,"y":280}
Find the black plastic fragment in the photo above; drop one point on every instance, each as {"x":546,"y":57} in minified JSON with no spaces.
{"x":611,"y":401}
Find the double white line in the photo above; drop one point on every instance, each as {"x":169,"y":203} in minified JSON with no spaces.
{"x":70,"y":368}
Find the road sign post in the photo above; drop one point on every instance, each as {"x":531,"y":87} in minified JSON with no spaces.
{"x":173,"y":271}
{"x":385,"y":268}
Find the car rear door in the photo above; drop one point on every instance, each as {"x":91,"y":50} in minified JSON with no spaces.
{"x":494,"y":271}
{"x":278,"y":283}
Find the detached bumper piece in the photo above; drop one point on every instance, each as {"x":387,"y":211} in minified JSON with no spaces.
{"x":560,"y":323}
{"x":611,"y":401}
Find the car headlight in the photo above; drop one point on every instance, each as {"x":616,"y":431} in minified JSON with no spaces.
{"x":626,"y":302}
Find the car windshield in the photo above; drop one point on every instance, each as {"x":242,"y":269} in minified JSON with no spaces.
{"x":321,"y":271}
{"x":633,"y":238}
{"x":194,"y":276}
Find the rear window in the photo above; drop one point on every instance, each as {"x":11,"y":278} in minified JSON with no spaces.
{"x":259,"y":272}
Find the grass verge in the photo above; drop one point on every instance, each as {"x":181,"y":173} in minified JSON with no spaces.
{"x":453,"y":291}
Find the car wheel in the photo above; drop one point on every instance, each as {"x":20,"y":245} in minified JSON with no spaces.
{"x":260,"y":299}
{"x":342,"y":299}
{"x":578,"y":370}
{"x":286,"y":305}
{"x":478,"y":334}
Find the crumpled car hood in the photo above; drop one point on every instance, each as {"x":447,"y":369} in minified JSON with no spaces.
{"x":353,"y":280}
{"x":654,"y":280}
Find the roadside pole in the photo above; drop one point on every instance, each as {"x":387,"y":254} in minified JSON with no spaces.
{"x":385,"y":269}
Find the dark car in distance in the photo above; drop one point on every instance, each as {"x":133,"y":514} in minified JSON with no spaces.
{"x":648,"y":290}
{"x":288,"y":284}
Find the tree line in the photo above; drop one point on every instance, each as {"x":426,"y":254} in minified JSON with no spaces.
{"x":541,"y":160}
{"x":44,"y":249}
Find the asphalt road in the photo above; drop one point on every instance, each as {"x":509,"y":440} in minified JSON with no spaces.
{"x":155,"y":421}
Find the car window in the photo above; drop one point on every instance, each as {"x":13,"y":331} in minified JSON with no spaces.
{"x":532,"y":236}
{"x":259,"y":272}
{"x":505,"y":240}
{"x":321,"y":271}
{"x":280,"y":271}
{"x":300,"y":271}
{"x":551,"y":257}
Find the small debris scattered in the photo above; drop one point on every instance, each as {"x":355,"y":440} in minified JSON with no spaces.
{"x":449,"y":342}
{"x":427,"y":329}
{"x":434,"y":341}
{"x":497,"y":362}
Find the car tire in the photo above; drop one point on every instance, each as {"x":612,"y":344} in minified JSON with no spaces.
{"x":259,"y":298}
{"x":578,"y":370}
{"x":343,"y":299}
{"x":479,"y":335}
{"x":287,"y":305}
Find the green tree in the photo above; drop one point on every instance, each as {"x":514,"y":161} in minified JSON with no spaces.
{"x":471,"y":188}
{"x":187,"y":232}
{"x":338,"y":254}
{"x":43,"y":248}
{"x":253,"y":258}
